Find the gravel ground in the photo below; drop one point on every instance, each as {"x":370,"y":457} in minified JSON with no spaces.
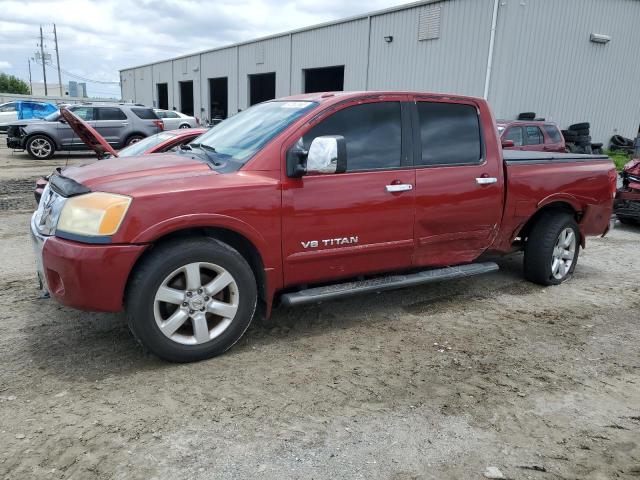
{"x":434,"y":382}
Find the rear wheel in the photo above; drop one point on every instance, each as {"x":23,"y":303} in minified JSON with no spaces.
{"x":551,"y":251}
{"x":191,"y":299}
{"x":40,"y":147}
{"x":133,"y":139}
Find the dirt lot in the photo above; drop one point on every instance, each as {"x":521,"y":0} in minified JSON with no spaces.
{"x":425,"y":383}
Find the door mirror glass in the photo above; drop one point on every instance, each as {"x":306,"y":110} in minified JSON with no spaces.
{"x":508,"y":144}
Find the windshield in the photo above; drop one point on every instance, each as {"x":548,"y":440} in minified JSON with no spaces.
{"x":145,"y":144}
{"x":239,"y":137}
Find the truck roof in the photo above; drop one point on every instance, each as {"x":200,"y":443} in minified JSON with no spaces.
{"x":325,"y":97}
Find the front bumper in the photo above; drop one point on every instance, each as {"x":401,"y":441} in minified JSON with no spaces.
{"x":83,"y":276}
{"x":627,"y":204}
{"x":15,"y":143}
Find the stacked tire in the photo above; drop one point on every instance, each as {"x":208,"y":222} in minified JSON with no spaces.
{"x":578,"y":138}
{"x":622,"y":144}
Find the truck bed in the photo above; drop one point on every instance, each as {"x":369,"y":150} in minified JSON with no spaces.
{"x":536,"y":179}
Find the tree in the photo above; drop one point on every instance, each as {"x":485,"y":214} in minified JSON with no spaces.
{"x":12,"y":84}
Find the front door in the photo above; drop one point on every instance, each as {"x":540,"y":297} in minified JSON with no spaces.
{"x":459,"y":186}
{"x":68,"y":138}
{"x":360,"y":221}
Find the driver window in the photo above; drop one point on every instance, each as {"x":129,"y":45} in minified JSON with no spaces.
{"x":515,"y":134}
{"x":372,"y":133}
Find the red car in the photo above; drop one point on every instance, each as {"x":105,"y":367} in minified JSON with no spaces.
{"x":158,"y":143}
{"x":627,"y":203}
{"x":305,"y":199}
{"x":535,"y":136}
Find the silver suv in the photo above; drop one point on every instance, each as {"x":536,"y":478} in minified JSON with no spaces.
{"x":119,"y":124}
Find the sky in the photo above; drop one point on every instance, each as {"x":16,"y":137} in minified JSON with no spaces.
{"x":97,"y":38}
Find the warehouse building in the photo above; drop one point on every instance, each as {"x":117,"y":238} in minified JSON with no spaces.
{"x":567,"y":60}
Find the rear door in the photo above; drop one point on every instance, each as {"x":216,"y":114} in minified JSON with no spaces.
{"x":67,"y":137}
{"x":533,"y":138}
{"x":110,"y":122}
{"x":459,"y":185}
{"x":360,"y":221}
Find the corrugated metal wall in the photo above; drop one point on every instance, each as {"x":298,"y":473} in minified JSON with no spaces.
{"x":544,"y":62}
{"x":455,"y":62}
{"x":543,"y":59}
{"x":272,"y":55}
{"x":344,"y":44}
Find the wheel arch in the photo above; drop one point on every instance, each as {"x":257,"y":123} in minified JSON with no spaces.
{"x":30,"y":135}
{"x":554,"y":205}
{"x":132,"y":134}
{"x":238,"y":241}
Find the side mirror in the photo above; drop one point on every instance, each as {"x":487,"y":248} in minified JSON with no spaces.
{"x":326,"y":155}
{"x":508,"y":144}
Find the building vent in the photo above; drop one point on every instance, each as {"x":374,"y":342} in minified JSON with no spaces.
{"x":429,"y":23}
{"x":259,"y":53}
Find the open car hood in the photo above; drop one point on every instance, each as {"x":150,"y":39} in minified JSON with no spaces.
{"x":87,"y":134}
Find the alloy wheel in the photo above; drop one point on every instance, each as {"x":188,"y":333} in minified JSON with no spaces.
{"x":40,"y":147}
{"x":196,"y":303}
{"x":563,"y":253}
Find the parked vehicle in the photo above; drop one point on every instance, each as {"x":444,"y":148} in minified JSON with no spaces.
{"x":119,"y":124}
{"x":158,"y":143}
{"x":535,"y":136}
{"x":627,"y":203}
{"x":173,"y":119}
{"x":305,"y":199}
{"x":23,"y":110}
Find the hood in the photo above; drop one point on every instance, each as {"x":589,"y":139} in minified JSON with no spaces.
{"x":632,"y":167}
{"x":125,"y":177}
{"x":88,"y":134}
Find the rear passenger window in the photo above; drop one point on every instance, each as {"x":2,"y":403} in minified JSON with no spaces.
{"x":553,"y":132}
{"x":449,"y":133}
{"x":534,"y":136}
{"x":111,"y":113}
{"x":372,"y":132}
{"x":515,"y":134}
{"x":145,"y":113}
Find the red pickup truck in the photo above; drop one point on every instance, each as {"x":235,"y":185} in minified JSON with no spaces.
{"x":304,"y":199}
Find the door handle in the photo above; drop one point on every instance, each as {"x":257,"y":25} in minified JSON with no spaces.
{"x":399,"y":187}
{"x":486,"y":180}
{"x":124,"y":124}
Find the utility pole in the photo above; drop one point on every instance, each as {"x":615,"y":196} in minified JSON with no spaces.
{"x":55,"y":36}
{"x":30,"y":83}
{"x":44,"y":72}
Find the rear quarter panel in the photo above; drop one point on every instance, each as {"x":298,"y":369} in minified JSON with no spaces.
{"x":582,"y":182}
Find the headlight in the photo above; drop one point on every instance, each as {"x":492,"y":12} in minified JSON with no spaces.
{"x":93,"y":214}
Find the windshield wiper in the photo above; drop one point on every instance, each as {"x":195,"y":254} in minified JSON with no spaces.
{"x":206,"y":148}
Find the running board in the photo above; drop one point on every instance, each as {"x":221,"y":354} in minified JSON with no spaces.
{"x":380,"y":284}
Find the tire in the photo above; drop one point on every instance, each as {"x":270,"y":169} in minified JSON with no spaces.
{"x":527,"y":116}
{"x":580,"y":126}
{"x":569,"y":136}
{"x":584,"y":131}
{"x":146,"y":312}
{"x":584,"y":140}
{"x":40,"y":147}
{"x":540,"y":252}
{"x":185,"y":125}
{"x":131,"y":139}
{"x":619,"y":141}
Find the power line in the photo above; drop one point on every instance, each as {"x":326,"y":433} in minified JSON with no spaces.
{"x":52,"y":65}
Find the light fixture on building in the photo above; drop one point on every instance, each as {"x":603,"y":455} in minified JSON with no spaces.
{"x":388,"y":38}
{"x":600,"y":38}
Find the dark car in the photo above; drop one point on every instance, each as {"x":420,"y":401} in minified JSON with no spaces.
{"x":531,"y":135}
{"x":627,"y":203}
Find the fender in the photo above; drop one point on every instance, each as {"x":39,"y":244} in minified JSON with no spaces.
{"x":561,"y":197}
{"x":200,"y":220}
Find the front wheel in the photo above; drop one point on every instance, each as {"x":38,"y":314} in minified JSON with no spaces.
{"x":551,"y":251}
{"x":191,"y":299}
{"x":40,"y":147}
